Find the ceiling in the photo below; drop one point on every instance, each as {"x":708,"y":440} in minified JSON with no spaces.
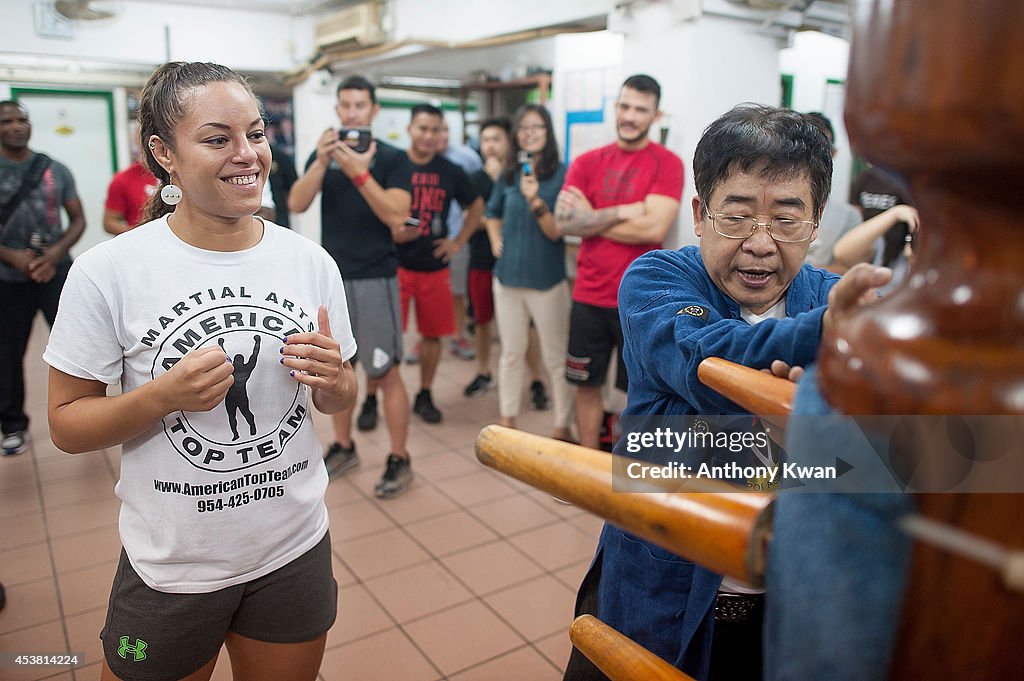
{"x":420,"y":58}
{"x":290,"y":7}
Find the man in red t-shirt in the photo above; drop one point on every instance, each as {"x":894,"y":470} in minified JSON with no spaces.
{"x":126,"y":197}
{"x":622,"y":199}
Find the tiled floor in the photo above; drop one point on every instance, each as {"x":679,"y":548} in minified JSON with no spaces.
{"x":469,"y":576}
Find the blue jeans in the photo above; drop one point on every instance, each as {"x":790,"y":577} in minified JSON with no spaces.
{"x":836,"y":564}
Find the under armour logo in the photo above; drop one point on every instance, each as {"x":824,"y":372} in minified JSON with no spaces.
{"x":138,"y":650}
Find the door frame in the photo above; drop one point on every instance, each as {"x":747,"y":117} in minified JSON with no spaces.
{"x":106,"y":95}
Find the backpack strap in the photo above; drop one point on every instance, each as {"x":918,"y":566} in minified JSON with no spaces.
{"x":32,"y":179}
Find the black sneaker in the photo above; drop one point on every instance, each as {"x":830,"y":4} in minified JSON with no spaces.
{"x":480,"y":385}
{"x":368,"y":414}
{"x":339,"y":459}
{"x":424,"y":406}
{"x":396,"y":478}
{"x":539,"y":397}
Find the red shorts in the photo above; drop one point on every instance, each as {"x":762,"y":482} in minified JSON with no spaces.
{"x":432,"y":291}
{"x":481,"y":295}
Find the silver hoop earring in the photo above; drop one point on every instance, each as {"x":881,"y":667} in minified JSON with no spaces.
{"x":170,"y":194}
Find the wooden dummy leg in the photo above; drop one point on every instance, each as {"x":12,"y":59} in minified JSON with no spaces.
{"x":619,"y":657}
{"x":702,"y":520}
{"x":765,"y":395}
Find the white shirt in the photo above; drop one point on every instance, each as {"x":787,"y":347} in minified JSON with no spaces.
{"x":207,"y":504}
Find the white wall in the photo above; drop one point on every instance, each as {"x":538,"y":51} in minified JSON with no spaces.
{"x":813,"y":60}
{"x":700,"y":81}
{"x":252,"y":41}
{"x":575,"y":55}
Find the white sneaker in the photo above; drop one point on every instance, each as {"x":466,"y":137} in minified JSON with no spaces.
{"x":15,"y":443}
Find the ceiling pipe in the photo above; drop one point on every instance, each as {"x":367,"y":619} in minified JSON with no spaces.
{"x":328,"y":57}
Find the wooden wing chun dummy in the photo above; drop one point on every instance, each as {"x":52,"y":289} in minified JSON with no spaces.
{"x":936,"y":94}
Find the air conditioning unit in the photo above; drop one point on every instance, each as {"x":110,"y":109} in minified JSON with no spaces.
{"x":357,"y":26}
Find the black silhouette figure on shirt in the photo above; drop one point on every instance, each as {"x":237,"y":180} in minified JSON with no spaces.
{"x":237,"y":398}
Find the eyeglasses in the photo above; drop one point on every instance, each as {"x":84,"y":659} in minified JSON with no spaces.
{"x":783,"y":230}
{"x":532,"y":128}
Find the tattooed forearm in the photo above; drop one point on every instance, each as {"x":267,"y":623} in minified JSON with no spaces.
{"x":576,"y":222}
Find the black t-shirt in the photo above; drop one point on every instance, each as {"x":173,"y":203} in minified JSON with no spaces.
{"x":434,"y":185}
{"x":351,"y":232}
{"x":876,"y":191}
{"x":480,"y":255}
{"x":282,"y":177}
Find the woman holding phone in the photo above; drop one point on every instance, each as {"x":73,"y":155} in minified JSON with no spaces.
{"x":530,"y":283}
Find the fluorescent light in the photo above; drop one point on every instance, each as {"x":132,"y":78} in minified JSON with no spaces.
{"x":416,"y":81}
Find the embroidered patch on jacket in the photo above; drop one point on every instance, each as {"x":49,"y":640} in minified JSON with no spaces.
{"x":695,"y":311}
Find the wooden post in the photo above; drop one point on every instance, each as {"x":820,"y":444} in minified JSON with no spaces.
{"x":723,"y":530}
{"x":765,"y":395}
{"x":936,"y":94}
{"x":619,"y":657}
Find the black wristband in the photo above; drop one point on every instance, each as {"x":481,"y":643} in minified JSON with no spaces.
{"x":539,"y":210}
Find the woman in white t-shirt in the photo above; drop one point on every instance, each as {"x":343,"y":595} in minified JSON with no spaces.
{"x":221,"y":329}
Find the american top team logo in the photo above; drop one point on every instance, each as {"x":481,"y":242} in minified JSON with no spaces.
{"x":262,"y":409}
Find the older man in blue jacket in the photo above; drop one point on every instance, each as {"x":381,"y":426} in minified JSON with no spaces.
{"x":762,"y":176}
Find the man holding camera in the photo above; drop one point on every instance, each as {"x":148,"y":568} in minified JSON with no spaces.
{"x":366,"y":197}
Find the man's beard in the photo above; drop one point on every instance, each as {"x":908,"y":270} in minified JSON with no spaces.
{"x":640,"y":134}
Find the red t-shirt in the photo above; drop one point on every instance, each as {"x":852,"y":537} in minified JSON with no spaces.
{"x":610,"y":176}
{"x":128,"y":192}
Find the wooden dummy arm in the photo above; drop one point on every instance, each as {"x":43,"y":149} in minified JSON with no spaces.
{"x":619,"y":657}
{"x":765,"y":395}
{"x":705,"y":521}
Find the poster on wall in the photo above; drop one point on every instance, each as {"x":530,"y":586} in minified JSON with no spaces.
{"x":589,"y":109}
{"x":392,"y":122}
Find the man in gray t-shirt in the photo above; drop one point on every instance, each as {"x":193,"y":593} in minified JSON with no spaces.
{"x":34,"y":258}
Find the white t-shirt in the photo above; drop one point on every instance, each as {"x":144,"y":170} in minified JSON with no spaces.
{"x":218,"y":498}
{"x":837,"y":219}
{"x":776,"y":311}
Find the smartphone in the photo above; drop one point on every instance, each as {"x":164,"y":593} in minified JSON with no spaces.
{"x":412,"y":222}
{"x":357,"y":138}
{"x":525,"y":160}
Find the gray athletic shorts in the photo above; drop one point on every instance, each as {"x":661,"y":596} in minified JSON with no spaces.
{"x":155,"y":636}
{"x":374,"y":307}
{"x":459,"y":267}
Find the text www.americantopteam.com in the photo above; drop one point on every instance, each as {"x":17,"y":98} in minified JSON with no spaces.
{"x":238,"y":485}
